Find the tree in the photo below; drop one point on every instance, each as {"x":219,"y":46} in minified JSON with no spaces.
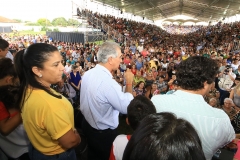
{"x":60,"y":21}
{"x":73,"y":22}
{"x":44,"y":22}
{"x":18,"y":20}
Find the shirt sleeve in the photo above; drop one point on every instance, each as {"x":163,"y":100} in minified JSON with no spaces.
{"x":118,"y":99}
{"x":3,"y":112}
{"x":224,"y":132}
{"x":57,"y":123}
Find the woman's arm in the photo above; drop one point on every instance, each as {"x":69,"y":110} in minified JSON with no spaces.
{"x":231,"y":94}
{"x":7,"y":125}
{"x":72,"y":92}
{"x":70,"y":139}
{"x":79,"y":84}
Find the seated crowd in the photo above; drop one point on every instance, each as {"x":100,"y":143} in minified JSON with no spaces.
{"x":198,"y":73}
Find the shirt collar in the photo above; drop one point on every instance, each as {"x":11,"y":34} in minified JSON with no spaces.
{"x":104,"y":69}
{"x":188,"y":95}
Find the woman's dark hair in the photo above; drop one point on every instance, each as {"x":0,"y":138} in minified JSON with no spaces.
{"x":74,"y":67}
{"x":139,"y":108}
{"x":9,"y":95}
{"x":3,"y":44}
{"x":163,"y":136}
{"x":137,"y":85}
{"x":34,"y":56}
{"x":194,"y":71}
{"x":7,"y":68}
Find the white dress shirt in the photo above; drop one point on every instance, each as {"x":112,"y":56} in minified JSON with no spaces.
{"x":68,"y":69}
{"x":101,"y":99}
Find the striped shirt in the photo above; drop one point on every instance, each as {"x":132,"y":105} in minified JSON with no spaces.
{"x":212,"y":125}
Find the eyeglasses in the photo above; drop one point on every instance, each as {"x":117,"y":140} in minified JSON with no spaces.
{"x":227,"y":103}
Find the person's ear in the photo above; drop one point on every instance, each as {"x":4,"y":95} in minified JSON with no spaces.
{"x":37,"y":71}
{"x":9,"y":80}
{"x":110,"y":60}
{"x":127,"y":121}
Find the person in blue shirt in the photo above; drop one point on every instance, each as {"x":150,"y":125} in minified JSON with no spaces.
{"x":133,"y":48}
{"x":139,"y":64}
{"x":75,"y":81}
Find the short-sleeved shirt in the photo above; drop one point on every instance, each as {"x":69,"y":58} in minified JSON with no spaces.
{"x":3,"y":112}
{"x":162,"y":85}
{"x":139,"y":92}
{"x":75,"y":79}
{"x":212,"y":125}
{"x":46,"y":119}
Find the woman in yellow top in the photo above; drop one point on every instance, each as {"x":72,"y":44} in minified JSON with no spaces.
{"x":47,"y":115}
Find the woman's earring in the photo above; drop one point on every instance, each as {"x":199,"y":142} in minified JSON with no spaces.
{"x":40,"y":75}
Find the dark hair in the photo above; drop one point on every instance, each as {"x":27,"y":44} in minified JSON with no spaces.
{"x":35,"y":55}
{"x":163,"y":136}
{"x":3,"y":44}
{"x":74,"y":67}
{"x":162,"y":76}
{"x":7,"y":68}
{"x":139,"y":108}
{"x":9,"y":95}
{"x":194,"y":71}
{"x":137,"y":85}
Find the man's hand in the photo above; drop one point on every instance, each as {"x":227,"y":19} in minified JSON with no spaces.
{"x":128,"y":76}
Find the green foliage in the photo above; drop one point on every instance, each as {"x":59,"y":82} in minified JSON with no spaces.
{"x":73,"y":22}
{"x":60,"y":21}
{"x":55,"y":30}
{"x":44,"y":22}
{"x":44,"y":28}
{"x":20,"y":33}
{"x":18,"y":20}
{"x":32,"y":24}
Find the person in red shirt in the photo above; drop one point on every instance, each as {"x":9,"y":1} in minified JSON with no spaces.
{"x":144,"y":52}
{"x":9,"y":118}
{"x":134,"y":70}
{"x":176,"y":53}
{"x":127,"y":60}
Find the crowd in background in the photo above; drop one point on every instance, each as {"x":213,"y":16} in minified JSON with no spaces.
{"x":153,"y":55}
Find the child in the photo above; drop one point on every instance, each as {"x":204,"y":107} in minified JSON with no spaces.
{"x":138,"y":108}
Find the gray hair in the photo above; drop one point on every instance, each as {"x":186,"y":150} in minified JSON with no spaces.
{"x":213,"y":99}
{"x":107,"y":49}
{"x":228,"y":99}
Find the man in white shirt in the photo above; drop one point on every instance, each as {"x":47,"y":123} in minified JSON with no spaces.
{"x":101,"y":100}
{"x":140,"y":48}
{"x":68,"y":67}
{"x":76,"y":55}
{"x":226,"y":80}
{"x":195,"y":77}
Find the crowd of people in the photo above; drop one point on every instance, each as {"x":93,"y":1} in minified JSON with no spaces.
{"x":169,"y":86}
{"x":181,"y":29}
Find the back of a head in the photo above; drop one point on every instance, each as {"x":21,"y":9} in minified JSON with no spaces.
{"x":194,"y":71}
{"x":163,"y":136}
{"x":9,"y":95}
{"x":7,"y":68}
{"x":107,"y":50}
{"x":3,"y":44}
{"x":139,"y":108}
